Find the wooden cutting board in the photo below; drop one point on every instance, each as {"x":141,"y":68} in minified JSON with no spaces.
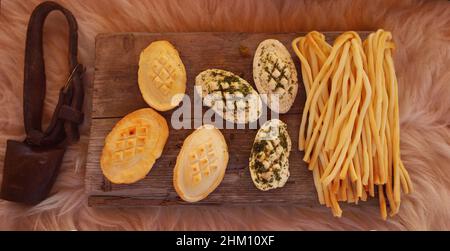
{"x":115,"y":93}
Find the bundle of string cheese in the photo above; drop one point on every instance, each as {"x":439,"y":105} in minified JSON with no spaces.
{"x":350,"y":127}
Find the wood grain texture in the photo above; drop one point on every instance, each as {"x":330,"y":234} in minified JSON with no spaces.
{"x":116,"y":93}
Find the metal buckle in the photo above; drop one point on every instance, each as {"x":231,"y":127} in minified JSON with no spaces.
{"x":72,"y":74}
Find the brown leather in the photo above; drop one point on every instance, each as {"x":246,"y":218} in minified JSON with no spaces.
{"x":31,"y":166}
{"x":29,"y":171}
{"x":34,"y":81}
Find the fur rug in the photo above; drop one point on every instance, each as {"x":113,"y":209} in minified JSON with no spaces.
{"x":421,"y":31}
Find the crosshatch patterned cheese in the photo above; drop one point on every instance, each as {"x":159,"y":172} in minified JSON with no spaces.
{"x":161,"y":76}
{"x":230,"y":96}
{"x":201,"y":164}
{"x":274,"y":74}
{"x":269,"y":158}
{"x":133,"y":145}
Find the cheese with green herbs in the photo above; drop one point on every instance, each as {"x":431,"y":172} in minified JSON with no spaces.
{"x":269,"y":157}
{"x":230,"y":96}
{"x":275,"y":75}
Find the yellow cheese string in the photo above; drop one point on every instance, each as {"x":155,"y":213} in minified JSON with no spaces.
{"x":350,"y":126}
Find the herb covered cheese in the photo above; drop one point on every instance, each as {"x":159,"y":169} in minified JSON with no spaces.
{"x":269,"y":158}
{"x":230,"y":96}
{"x":275,"y":75}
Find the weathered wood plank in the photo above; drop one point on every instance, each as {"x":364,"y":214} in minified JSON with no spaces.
{"x":115,"y":93}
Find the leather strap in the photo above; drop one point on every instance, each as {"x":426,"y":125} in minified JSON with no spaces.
{"x":63,"y":128}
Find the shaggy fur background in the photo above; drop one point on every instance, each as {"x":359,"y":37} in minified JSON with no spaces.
{"x":421,"y":31}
